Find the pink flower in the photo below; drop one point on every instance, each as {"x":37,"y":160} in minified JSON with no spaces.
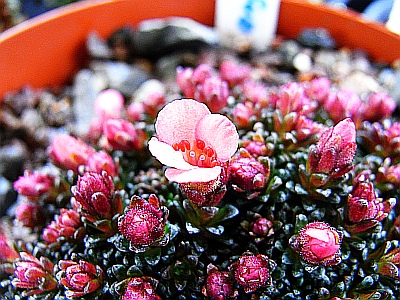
{"x":197,"y":146}
{"x":213,"y":92}
{"x":34,"y":184}
{"x":65,"y":225}
{"x":69,"y":152}
{"x":109,"y":104}
{"x":251,"y":271}
{"x":219,"y":285}
{"x":335,"y":150}
{"x":101,"y":161}
{"x":305,"y":129}
{"x":185,"y":81}
{"x":121,"y":135}
{"x":319,"y":244}
{"x":33,"y":274}
{"x":192,"y":141}
{"x":143,"y":223}
{"x":234,"y":73}
{"x":29,"y":214}
{"x":363,"y":209}
{"x":79,"y":278}
{"x":141,"y":288}
{"x":95,"y":193}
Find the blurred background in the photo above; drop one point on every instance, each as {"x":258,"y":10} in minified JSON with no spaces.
{"x":13,"y":12}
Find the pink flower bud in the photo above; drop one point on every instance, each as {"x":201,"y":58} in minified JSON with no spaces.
{"x":219,"y":285}
{"x":185,"y":82}
{"x":318,"y":89}
{"x":255,"y":93}
{"x":262,"y":227}
{"x":343,"y":104}
{"x":251,"y":271}
{"x":95,"y":192}
{"x":244,"y":114}
{"x":292,"y":98}
{"x":363,"y":209}
{"x":135,"y":111}
{"x":234,"y":73}
{"x":201,"y":73}
{"x":335,"y":150}
{"x":64,"y":225}
{"x":79,"y":278}
{"x":142,"y":288}
{"x":256,"y":147}
{"x":213,"y":92}
{"x":7,"y":252}
{"x":121,"y":135}
{"x":319,"y":244}
{"x":109,"y":104}
{"x":247,"y":173}
{"x":34,"y":274}
{"x":153,"y":103}
{"x":143,"y":223}
{"x":29,"y":214}
{"x":101,"y":161}
{"x":34,"y":184}
{"x":208,"y":193}
{"x":378,"y":107}
{"x":68,"y":152}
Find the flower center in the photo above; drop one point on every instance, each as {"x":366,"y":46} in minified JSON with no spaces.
{"x":197,"y":154}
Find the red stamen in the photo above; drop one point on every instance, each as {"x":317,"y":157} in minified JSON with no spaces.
{"x":200,"y":144}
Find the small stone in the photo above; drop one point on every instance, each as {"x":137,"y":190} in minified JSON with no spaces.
{"x":97,"y":47}
{"x":12,"y":159}
{"x":316,"y":38}
{"x":7,"y":195}
{"x":302,"y":62}
{"x":155,"y":38}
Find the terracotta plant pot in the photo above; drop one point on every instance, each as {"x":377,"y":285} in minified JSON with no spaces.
{"x":48,"y":49}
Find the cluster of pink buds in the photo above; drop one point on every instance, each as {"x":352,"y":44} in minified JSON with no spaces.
{"x":257,"y":146}
{"x":245,"y":114}
{"x":95,"y":193}
{"x":68,"y":152}
{"x":333,"y":154}
{"x":251,"y":271}
{"x":67,"y":225}
{"x":234,"y":73}
{"x":318,"y":244}
{"x":318,"y":89}
{"x":33,"y":275}
{"x":261,"y":228}
{"x":79,"y":278}
{"x":202,"y":84}
{"x":219,"y":284}
{"x":142,"y":288}
{"x":143,"y":223}
{"x":364,"y":210}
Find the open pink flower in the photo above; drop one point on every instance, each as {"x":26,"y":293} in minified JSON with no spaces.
{"x":192,"y":141}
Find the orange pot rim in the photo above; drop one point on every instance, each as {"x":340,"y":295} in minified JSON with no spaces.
{"x":49,"y":49}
